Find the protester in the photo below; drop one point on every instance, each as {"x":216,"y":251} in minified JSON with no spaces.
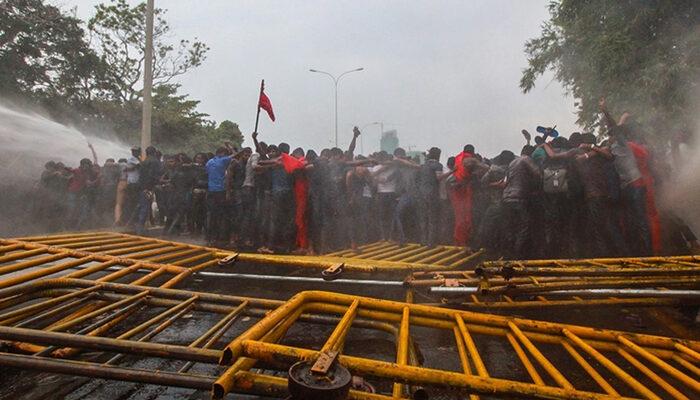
{"x":580,"y":196}
{"x":217,"y":223}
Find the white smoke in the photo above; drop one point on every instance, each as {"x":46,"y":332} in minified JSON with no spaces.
{"x":683,"y":192}
{"x":28,"y":140}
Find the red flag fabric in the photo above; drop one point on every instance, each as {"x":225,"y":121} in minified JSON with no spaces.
{"x":266,"y":105}
{"x":291,"y":164}
{"x":461,"y":173}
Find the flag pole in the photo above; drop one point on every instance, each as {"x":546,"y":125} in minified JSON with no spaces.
{"x":257,"y":116}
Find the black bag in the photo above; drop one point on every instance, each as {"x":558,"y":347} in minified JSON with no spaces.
{"x":555,"y":180}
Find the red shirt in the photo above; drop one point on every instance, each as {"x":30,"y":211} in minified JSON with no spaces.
{"x":78,"y":181}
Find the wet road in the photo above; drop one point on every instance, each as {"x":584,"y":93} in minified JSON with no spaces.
{"x":499,"y":361}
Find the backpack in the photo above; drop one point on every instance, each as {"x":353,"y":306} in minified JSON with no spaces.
{"x":555,"y":180}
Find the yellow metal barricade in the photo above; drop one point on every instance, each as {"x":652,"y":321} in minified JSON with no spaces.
{"x":651,"y":281}
{"x":544,"y":360}
{"x":615,"y":364}
{"x":378,"y":257}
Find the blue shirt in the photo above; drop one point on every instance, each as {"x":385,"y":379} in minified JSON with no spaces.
{"x":216,"y":169}
{"x":280,"y":180}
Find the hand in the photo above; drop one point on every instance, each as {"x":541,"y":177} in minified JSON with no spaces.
{"x":90,"y":145}
{"x":527,"y":135}
{"x":586,"y":146}
{"x":255,"y":135}
{"x":624,"y":117}
{"x":356,"y":131}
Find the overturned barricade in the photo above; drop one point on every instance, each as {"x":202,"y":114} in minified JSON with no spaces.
{"x":377,"y":257}
{"x":651,"y":281}
{"x":22,"y":261}
{"x":544,"y":360}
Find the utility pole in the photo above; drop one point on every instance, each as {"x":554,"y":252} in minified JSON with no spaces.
{"x":147,"y":81}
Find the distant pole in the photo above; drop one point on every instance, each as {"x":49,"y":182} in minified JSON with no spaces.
{"x":335,"y":82}
{"x":147,"y":80}
{"x":257,"y":116}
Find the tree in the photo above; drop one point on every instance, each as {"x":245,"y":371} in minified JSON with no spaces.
{"x":43,"y":53}
{"x":118,"y":32}
{"x":212,"y":137}
{"x":229,"y":131}
{"x":644,"y":55}
{"x":46,"y":59}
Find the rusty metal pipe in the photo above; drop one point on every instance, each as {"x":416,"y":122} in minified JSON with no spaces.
{"x":91,"y":370}
{"x":183,"y":308}
{"x":95,"y":325}
{"x":673,"y":293}
{"x":109,"y":344}
{"x":8,"y":317}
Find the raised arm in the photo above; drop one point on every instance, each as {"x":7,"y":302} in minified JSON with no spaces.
{"x":257,"y":144}
{"x":230,"y":147}
{"x":564,"y":155}
{"x":353,"y":142}
{"x":603,"y":106}
{"x":407,"y":163}
{"x":603,"y":151}
{"x":445,"y":175}
{"x":94,"y":153}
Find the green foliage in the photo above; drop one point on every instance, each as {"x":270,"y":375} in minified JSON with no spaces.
{"x":643,"y":55}
{"x":178,"y":126}
{"x":118,"y":31}
{"x":47,"y":59}
{"x":212,"y":136}
{"x":43,"y":53}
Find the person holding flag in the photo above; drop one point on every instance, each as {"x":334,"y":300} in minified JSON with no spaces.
{"x":264,"y":103}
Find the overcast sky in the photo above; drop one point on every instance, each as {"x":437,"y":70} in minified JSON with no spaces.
{"x":442,"y":73}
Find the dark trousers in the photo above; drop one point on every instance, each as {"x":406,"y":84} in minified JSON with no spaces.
{"x":217,"y":218}
{"x":446,"y":221}
{"x":386,"y":203}
{"x":197,"y":213}
{"x":180,"y":204}
{"x":359,"y":220}
{"x":282,"y":229}
{"x":605,"y":238}
{"x":317,"y":219}
{"x":556,"y":225}
{"x":636,"y":225}
{"x":131,"y":201}
{"x":490,"y":234}
{"x":428,"y":211}
{"x":249,"y":214}
{"x":405,"y":205}
{"x":143,"y":210}
{"x":517,"y":229}
{"x":579,"y":227}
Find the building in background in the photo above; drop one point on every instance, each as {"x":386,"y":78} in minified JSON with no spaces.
{"x":418,"y":156}
{"x":389,"y":141}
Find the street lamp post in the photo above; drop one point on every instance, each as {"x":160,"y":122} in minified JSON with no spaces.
{"x":335,"y":82}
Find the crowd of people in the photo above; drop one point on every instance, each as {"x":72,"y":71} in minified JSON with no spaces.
{"x":581,"y":196}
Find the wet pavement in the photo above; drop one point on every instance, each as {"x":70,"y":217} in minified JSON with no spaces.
{"x":500,"y":360}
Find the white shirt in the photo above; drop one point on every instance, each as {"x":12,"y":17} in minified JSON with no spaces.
{"x":384,"y":184}
{"x":250,"y":170}
{"x":132,"y":172}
